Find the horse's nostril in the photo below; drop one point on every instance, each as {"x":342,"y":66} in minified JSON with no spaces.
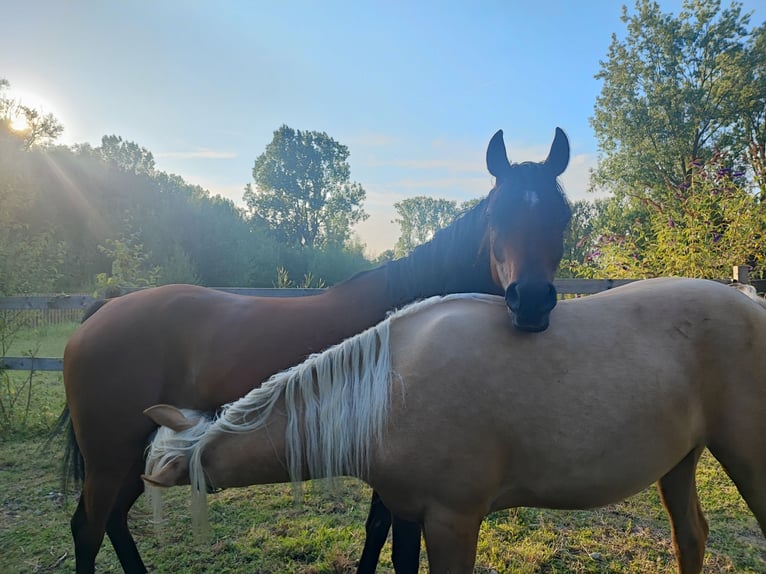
{"x":549,"y":299}
{"x":512,"y":297}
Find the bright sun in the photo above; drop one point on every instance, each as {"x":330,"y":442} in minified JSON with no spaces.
{"x":19,"y":122}
{"x":31,"y":100}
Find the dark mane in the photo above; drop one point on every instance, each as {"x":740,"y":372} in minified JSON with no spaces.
{"x":456,"y":260}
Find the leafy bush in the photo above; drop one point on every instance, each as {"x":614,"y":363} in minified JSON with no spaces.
{"x":699,"y":228}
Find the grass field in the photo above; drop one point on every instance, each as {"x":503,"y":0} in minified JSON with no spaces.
{"x":260,"y":530}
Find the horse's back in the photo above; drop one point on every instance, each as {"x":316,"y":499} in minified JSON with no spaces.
{"x":124,"y":329}
{"x":137,"y":350}
{"x":626,"y":384}
{"x":189,"y":346}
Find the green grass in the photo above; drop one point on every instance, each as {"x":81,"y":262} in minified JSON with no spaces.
{"x":29,"y":403}
{"x":260,"y":530}
{"x":46,"y":341}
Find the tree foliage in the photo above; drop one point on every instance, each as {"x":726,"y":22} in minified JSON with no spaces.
{"x":701,"y":229}
{"x":422,"y":216}
{"x":121,"y":155}
{"x":669,"y":93}
{"x":749,"y":131}
{"x":303,"y":190}
{"x":129,"y":266}
{"x":680,"y":125}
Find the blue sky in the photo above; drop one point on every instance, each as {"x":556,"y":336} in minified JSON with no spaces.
{"x":414,"y":89}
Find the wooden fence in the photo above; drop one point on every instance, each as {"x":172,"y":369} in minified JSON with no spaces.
{"x":38,"y":310}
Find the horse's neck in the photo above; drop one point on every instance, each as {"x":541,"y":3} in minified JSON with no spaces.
{"x":424,"y":273}
{"x":311,"y":413}
{"x":454,"y":261}
{"x":435,"y":269}
{"x":222,"y":465}
{"x":359,"y":302}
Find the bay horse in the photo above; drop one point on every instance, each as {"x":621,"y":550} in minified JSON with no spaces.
{"x":200,"y":348}
{"x":449,"y":413}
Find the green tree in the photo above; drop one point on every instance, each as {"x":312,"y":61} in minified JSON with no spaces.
{"x":303,"y":190}
{"x":129,"y":266}
{"x":680,"y":125}
{"x":124,"y":155}
{"x":749,"y":97}
{"x":578,"y":237}
{"x":668,"y":94}
{"x":420,"y":217}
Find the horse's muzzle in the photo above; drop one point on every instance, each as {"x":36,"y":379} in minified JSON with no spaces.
{"x":530,"y":304}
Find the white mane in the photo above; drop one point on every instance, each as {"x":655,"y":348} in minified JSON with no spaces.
{"x":336,"y":400}
{"x":750,"y":291}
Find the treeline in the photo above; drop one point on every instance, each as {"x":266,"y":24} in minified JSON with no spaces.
{"x":80,"y":218}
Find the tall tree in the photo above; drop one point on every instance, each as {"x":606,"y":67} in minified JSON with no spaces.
{"x":303,"y":190}
{"x":749,"y":131}
{"x":419,"y":218}
{"x":124,"y":155}
{"x":668,"y":93}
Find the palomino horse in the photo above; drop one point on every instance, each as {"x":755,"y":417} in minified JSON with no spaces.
{"x":200,"y":348}
{"x":629,"y":388}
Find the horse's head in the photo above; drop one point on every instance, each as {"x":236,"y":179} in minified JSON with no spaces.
{"x":168,"y":465}
{"x":528,"y":214}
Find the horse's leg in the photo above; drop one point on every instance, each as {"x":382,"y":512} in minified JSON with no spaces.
{"x":689,"y":527}
{"x":112,"y":483}
{"x":89,"y":520}
{"x":406,"y":546}
{"x":451,"y":541}
{"x":85,"y":546}
{"x":376,"y":527}
{"x":753,"y":493}
{"x":744,"y":460}
{"x":117,"y":524}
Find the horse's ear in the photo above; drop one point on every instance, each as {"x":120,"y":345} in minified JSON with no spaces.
{"x":558,"y":157}
{"x":497,"y":158}
{"x":173,"y":473}
{"x":169,"y":416}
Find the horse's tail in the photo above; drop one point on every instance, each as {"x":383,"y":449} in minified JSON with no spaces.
{"x":73,"y":464}
{"x":95,"y":306}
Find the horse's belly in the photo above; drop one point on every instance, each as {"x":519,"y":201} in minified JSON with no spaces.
{"x":591,"y":483}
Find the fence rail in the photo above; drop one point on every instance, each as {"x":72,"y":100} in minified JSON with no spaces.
{"x":49,"y":309}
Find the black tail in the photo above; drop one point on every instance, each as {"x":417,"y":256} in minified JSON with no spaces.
{"x":95,"y":306}
{"x":72,"y":465}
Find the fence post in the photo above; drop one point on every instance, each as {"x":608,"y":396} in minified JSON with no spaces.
{"x":741,"y":274}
